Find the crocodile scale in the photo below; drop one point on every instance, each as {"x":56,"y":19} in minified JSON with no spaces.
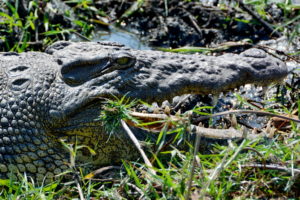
{"x":56,"y":95}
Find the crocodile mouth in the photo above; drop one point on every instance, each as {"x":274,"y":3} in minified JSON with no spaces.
{"x":85,"y":121}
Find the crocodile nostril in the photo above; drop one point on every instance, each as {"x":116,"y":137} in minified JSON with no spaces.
{"x":20,"y":83}
{"x":59,"y":61}
{"x":19,"y":68}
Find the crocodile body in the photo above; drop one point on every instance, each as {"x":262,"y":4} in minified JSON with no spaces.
{"x":45,"y":97}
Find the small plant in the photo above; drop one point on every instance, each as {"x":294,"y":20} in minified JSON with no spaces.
{"x":114,"y":111}
{"x":27,"y":189}
{"x":40,"y":24}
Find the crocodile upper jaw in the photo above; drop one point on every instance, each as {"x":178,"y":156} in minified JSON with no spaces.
{"x":156,"y":76}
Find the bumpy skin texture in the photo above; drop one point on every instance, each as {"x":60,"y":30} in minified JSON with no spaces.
{"x":45,"y":97}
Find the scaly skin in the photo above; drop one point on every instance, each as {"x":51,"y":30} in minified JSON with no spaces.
{"x":45,"y":97}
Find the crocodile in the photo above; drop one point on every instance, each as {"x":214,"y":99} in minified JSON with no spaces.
{"x":56,"y":95}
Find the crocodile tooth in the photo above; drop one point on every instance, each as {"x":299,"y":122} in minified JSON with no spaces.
{"x":167,"y":110}
{"x":264,"y":91}
{"x":215,"y":99}
{"x":178,"y":113}
{"x":156,"y":110}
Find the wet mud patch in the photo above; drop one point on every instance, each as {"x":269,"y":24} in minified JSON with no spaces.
{"x":176,"y":24}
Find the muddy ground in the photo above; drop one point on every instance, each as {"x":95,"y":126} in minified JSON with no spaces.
{"x":184,"y":23}
{"x":159,"y":23}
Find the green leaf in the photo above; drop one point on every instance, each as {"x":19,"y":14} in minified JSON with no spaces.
{"x":56,"y":32}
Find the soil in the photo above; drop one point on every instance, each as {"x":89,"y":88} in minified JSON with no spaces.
{"x":171,"y":25}
{"x":185,"y":23}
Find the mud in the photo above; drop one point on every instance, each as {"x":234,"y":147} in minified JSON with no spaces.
{"x":184,"y":23}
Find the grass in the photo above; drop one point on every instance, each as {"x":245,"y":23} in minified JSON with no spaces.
{"x":265,"y":167}
{"x":37,"y":28}
{"x":261,"y":168}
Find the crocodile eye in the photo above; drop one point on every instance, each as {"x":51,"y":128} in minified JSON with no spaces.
{"x":123,"y":60}
{"x":71,"y":80}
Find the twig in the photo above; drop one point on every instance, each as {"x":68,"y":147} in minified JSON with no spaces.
{"x":204,"y":132}
{"x":221,"y":167}
{"x":82,"y":36}
{"x":33,"y":43}
{"x":176,"y":107}
{"x":137,"y":189}
{"x":258,"y":153}
{"x":197,"y":144}
{"x":166,"y":8}
{"x":214,"y":175}
{"x":246,"y":111}
{"x":194,"y":22}
{"x":258,"y":18}
{"x":138,"y":146}
{"x":224,"y":134}
{"x":273,"y":167}
{"x":99,"y":171}
{"x":79,"y":188}
{"x":264,"y":47}
{"x":106,"y":180}
{"x":155,"y":116}
{"x":236,"y":153}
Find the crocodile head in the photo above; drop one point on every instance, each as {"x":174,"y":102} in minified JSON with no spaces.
{"x":92,"y":70}
{"x":52,"y":95}
{"x":89,"y":71}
